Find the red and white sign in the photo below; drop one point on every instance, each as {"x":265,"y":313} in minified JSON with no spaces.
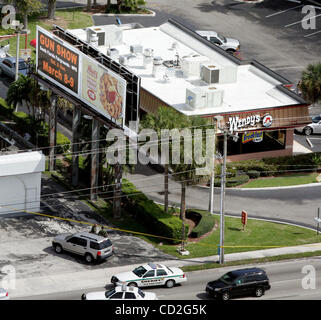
{"x":244,"y":218}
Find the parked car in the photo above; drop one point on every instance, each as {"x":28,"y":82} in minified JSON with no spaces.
{"x":314,"y":127}
{"x":4,"y":295}
{"x":242,"y":282}
{"x":228,"y":44}
{"x":8,"y":67}
{"x":122,"y":292}
{"x":91,"y":246}
{"x":151,"y":274}
{"x":4,"y":50}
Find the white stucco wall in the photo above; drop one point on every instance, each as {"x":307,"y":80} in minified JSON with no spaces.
{"x":20,"y":182}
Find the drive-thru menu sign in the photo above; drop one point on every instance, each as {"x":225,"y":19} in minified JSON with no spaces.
{"x":57,"y":61}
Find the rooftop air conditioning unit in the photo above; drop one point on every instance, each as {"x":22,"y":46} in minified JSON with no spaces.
{"x":113,"y":53}
{"x":196,"y":98}
{"x":214,"y":97}
{"x":113,"y":35}
{"x":96,"y":31}
{"x":210,"y":73}
{"x":191,"y":65}
{"x":136,"y":48}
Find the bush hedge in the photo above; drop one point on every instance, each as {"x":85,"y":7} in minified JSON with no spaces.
{"x":233,"y":181}
{"x":151,"y":215}
{"x":253,"y":174}
{"x":205,"y":222}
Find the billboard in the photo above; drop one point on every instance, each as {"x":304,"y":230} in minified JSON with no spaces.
{"x":57,"y":61}
{"x":97,"y":86}
{"x":103,"y":90}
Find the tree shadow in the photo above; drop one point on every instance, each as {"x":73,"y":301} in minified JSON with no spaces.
{"x":234,"y":229}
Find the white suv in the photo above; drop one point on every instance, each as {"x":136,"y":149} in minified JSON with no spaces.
{"x":91,"y":246}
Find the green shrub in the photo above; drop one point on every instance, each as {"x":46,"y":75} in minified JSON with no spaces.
{"x":205,"y":222}
{"x":151,"y":215}
{"x":63,"y":143}
{"x":253,"y":174}
{"x":233,"y":181}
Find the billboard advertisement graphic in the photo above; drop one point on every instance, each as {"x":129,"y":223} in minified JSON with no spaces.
{"x":57,"y":61}
{"x":83,"y":77}
{"x":103,"y":89}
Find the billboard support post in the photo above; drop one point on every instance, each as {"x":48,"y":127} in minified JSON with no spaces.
{"x":117,"y":191}
{"x":52,"y":131}
{"x":75,"y":147}
{"x":94,"y":159}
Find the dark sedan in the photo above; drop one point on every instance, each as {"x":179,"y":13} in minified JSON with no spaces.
{"x":243,"y":282}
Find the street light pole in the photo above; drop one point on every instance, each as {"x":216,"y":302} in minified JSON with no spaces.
{"x":211,"y":198}
{"x":223,"y":182}
{"x":17,"y":54}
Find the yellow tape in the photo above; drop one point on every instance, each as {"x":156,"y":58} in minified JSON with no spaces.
{"x":161,"y":237}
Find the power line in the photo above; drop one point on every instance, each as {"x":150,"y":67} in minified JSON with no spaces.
{"x":139,"y":192}
{"x":205,"y":125}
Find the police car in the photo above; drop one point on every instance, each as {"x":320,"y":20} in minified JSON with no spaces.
{"x":121,"y":292}
{"x":151,"y":274}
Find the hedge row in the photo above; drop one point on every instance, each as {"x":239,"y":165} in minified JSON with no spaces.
{"x":233,"y":181}
{"x":205,"y":222}
{"x":151,"y":215}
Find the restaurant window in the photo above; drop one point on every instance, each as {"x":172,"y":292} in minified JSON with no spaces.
{"x":254,"y":141}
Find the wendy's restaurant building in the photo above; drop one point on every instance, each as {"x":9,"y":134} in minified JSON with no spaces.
{"x":179,"y":69}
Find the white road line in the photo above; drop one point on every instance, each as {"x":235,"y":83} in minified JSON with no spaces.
{"x":311,"y":34}
{"x":274,"y":14}
{"x":292,"y":24}
{"x":295,"y":1}
{"x":309,"y":142}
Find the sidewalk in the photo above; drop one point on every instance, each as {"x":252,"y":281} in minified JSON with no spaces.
{"x":91,"y":279}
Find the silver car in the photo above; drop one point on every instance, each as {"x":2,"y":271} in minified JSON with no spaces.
{"x":228,"y":44}
{"x":88,"y":245}
{"x":314,"y":127}
{"x":8,"y":67}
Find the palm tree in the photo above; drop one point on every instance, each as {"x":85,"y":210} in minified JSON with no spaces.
{"x":164,"y":118}
{"x":168,"y":118}
{"x":310,"y":85}
{"x":186,"y":173}
{"x":18,"y":92}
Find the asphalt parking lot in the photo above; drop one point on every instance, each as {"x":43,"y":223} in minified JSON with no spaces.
{"x":270,"y":32}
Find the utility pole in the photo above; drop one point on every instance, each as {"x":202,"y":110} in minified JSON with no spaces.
{"x":18,"y":26}
{"x":223,"y":182}
{"x":211,"y":197}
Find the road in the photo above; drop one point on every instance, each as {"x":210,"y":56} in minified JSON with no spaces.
{"x":288,"y":204}
{"x":286,"y":280}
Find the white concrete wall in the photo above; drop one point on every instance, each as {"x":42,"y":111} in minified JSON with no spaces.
{"x":20,"y":182}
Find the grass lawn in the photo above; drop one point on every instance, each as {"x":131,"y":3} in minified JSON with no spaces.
{"x":68,"y":19}
{"x":282,"y":181}
{"x":257,"y":235}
